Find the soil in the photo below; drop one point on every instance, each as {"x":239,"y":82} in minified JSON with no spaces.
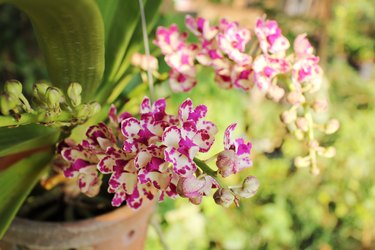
{"x":55,"y":206}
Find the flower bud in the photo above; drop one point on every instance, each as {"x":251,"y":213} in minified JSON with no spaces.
{"x":302,"y":162}
{"x":302,"y":124}
{"x":13,"y":87}
{"x":320,"y":106}
{"x":74,"y":93}
{"x":276,"y":93}
{"x":314,"y":144}
{"x":225,"y":162}
{"x":288,"y":116}
{"x":223,"y":197}
{"x":295,"y":97}
{"x":53,"y":97}
{"x":39,"y":91}
{"x":144,"y":62}
{"x":136,"y":59}
{"x":332,"y":126}
{"x":83,"y":111}
{"x":327,"y":152}
{"x":299,"y":134}
{"x":8,"y":103}
{"x":315,"y":171}
{"x":94,"y":108}
{"x":150,"y":62}
{"x":249,"y":187}
{"x":196,"y":200}
{"x":316,"y":83}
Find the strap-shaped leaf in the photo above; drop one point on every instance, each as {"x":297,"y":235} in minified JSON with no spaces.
{"x":71,"y":36}
{"x":26,"y":137}
{"x":136,"y":43}
{"x":123,"y":33}
{"x":120,"y":20}
{"x":16,"y":182}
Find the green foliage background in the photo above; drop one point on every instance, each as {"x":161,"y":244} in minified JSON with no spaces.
{"x":293,"y":209}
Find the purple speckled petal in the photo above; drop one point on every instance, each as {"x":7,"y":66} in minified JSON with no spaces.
{"x":185,"y":109}
{"x":131,"y":127}
{"x":172,"y":137}
{"x":228,"y":142}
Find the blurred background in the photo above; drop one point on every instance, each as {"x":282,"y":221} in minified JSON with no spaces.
{"x":293,"y":209}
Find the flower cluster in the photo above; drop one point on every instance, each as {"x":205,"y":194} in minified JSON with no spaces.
{"x":49,"y":105}
{"x":241,"y":60}
{"x":223,"y":48}
{"x":154,"y":156}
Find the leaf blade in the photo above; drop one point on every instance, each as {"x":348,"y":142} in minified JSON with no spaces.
{"x":132,"y":41}
{"x":16,"y":183}
{"x":15,"y":140}
{"x":72,"y":43}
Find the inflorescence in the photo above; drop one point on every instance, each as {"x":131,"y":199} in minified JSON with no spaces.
{"x":156,"y":156}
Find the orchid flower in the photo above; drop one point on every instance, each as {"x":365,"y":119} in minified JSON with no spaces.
{"x":236,"y":154}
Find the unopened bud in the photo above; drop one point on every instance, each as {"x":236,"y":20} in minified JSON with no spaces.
{"x":302,"y":162}
{"x":332,"y":126}
{"x":302,"y":124}
{"x":299,"y":134}
{"x":320,"y":106}
{"x":315,"y":171}
{"x":74,"y":93}
{"x":249,"y":187}
{"x":53,"y":97}
{"x":144,"y":62}
{"x":314,"y":144}
{"x":8,"y":103}
{"x":295,"y":98}
{"x":13,"y":87}
{"x":275,"y":93}
{"x":223,"y":197}
{"x":196,"y":200}
{"x":288,"y":116}
{"x":136,"y":59}
{"x":94,"y":108}
{"x":327,"y":152}
{"x":225,"y":162}
{"x":83,"y":111}
{"x":39,"y":91}
{"x":316,"y":83}
{"x":150,"y":62}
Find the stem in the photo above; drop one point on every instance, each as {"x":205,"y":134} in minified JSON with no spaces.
{"x":25,"y":103}
{"x":156,"y":225}
{"x":206,"y":169}
{"x":40,"y":117}
{"x":211,"y":158}
{"x":312,"y":151}
{"x":147,"y":49}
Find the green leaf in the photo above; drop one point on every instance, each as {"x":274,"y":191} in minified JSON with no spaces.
{"x":16,"y":183}
{"x":14,"y":140}
{"x":136,"y":43}
{"x":71,"y":36}
{"x":123,"y":33}
{"x":120,"y":20}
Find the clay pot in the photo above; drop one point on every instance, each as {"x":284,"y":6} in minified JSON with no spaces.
{"x":122,"y":228}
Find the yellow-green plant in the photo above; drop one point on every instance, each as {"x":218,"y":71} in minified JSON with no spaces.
{"x":87,"y":46}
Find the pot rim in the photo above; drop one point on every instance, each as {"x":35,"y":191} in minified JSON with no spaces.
{"x":100,"y":228}
{"x":119,"y":213}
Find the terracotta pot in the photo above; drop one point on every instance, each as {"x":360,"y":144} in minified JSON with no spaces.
{"x":122,"y":228}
